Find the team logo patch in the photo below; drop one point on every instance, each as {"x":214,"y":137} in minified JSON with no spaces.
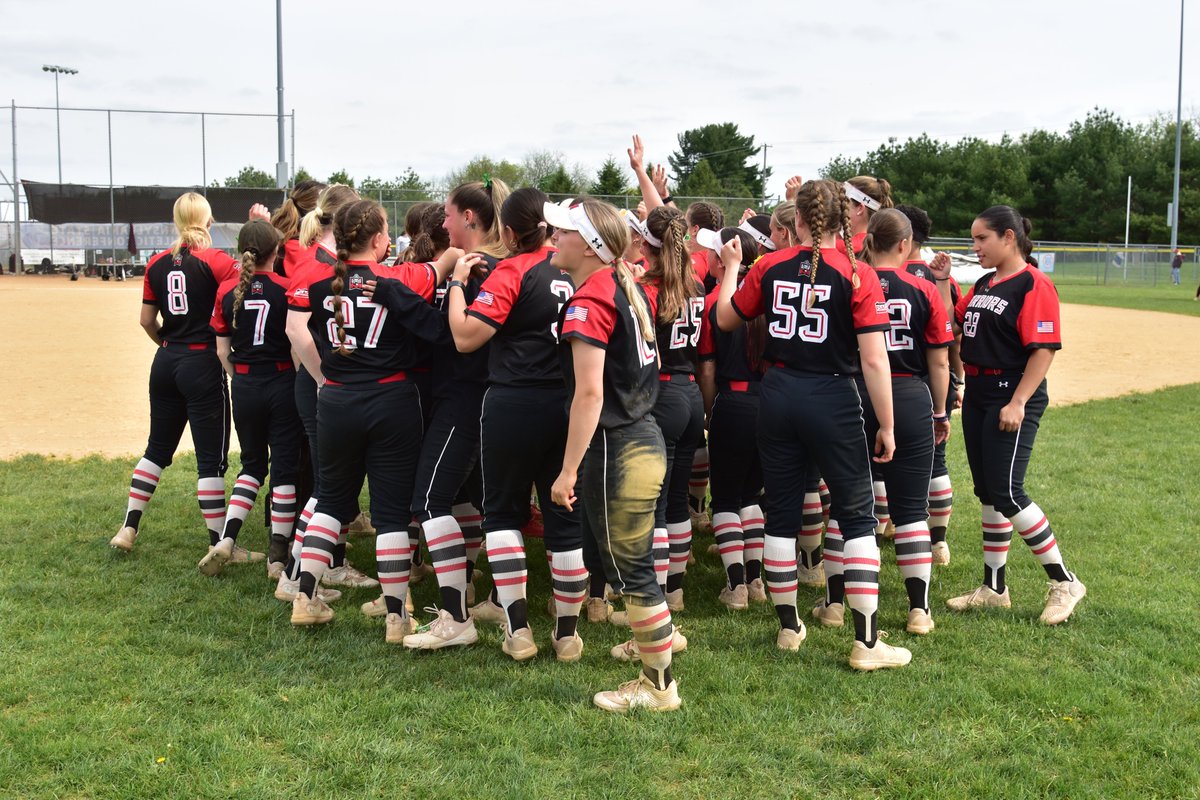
{"x":356,"y":282}
{"x":256,"y":287}
{"x":883,"y":284}
{"x":920,"y":273}
{"x":1045,"y":326}
{"x":577,"y":313}
{"x":948,"y":328}
{"x":881,"y":308}
{"x":805,"y":268}
{"x":300,"y":293}
{"x":486,"y":298}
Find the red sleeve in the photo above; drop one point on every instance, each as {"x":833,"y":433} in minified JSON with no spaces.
{"x":707,"y":346}
{"x":223,"y":265}
{"x":652,"y":290}
{"x":748,"y":299}
{"x":938,"y":332}
{"x":960,"y":308}
{"x":295,"y":256}
{"x":297,"y":294}
{"x":589,"y":318}
{"x":148,"y":295}
{"x":421,"y":278}
{"x":867,"y":307}
{"x":1038,"y":324}
{"x":700,"y":264}
{"x":219,"y":324}
{"x":498,"y":294}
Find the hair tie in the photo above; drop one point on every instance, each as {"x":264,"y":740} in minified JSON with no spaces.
{"x":487,"y":181}
{"x":543,"y":224}
{"x":252,"y":251}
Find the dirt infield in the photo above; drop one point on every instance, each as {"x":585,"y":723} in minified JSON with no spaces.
{"x":83,"y":390}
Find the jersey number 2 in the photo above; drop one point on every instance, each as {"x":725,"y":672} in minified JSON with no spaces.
{"x":900,"y":316}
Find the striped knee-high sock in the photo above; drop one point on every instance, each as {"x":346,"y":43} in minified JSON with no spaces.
{"x":997,"y":534}
{"x":808,"y":541}
{"x":283,"y":520}
{"x":339,"y":549}
{"x":393,"y":560}
{"x":319,"y":540}
{"x":860,"y":569}
{"x":141,"y":487}
{"x":469,"y":519}
{"x":727,"y":530}
{"x":415,"y":536}
{"x":506,"y":554}
{"x":569,"y":580}
{"x":882,"y":516}
{"x":241,"y":500}
{"x":210,"y":494}
{"x":823,"y":491}
{"x":662,"y":557}
{"x":653,"y":631}
{"x":1035,"y":530}
{"x":679,"y":542}
{"x":448,"y":554}
{"x":753,"y":525}
{"x":698,"y":483}
{"x":292,"y":569}
{"x":941,"y":505}
{"x":835,"y":584}
{"x":779,"y":572}
{"x":915,"y":560}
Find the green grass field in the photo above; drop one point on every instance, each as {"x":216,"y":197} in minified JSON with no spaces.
{"x":134,"y":676}
{"x":1166,"y":298}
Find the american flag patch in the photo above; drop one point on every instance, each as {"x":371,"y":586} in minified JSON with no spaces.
{"x":1045,"y":326}
{"x":577,"y":313}
{"x":486,"y":298}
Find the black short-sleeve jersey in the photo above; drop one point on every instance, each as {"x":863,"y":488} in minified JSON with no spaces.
{"x":380,"y":344}
{"x":600,"y":314}
{"x":521,"y":298}
{"x":184,"y":289}
{"x":1003,"y":320}
{"x":727,"y":349}
{"x":918,"y":320}
{"x":817,"y":338}
{"x":260,"y":334}
{"x":676,"y":339}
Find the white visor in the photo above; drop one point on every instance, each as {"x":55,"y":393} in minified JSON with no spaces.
{"x":567,"y":217}
{"x":709,"y":239}
{"x":861,"y":197}
{"x":757,"y":235}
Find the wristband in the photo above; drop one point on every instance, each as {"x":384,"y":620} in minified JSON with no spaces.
{"x":451,"y":284}
{"x":667,"y":199}
{"x":943,"y":279}
{"x":941,"y":418}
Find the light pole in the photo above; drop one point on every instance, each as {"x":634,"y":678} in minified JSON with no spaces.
{"x":57,"y":70}
{"x":1178,"y":139}
{"x":281,"y":167}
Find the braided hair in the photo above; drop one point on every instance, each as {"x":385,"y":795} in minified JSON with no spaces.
{"x":671,"y":266}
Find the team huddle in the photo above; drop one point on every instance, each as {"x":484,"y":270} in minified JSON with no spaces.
{"x":617,"y":376}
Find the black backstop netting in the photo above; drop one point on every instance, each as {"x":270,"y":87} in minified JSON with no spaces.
{"x":59,"y":203}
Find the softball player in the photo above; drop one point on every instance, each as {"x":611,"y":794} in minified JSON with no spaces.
{"x":867,"y":195}
{"x":1010,"y":331}
{"x":187,"y":384}
{"x":614,"y":462}
{"x":249,"y":319}
{"x":819,"y":304}
{"x":523,"y":427}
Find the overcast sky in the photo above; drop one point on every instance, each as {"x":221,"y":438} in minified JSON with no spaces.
{"x":505,"y":77}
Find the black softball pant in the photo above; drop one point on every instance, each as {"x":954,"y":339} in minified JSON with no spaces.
{"x":268,"y":426}
{"x":735,"y":471}
{"x":998,"y":459}
{"x":449,"y":453}
{"x":306,"y":407}
{"x":369,"y":430}
{"x":188,"y":387}
{"x":679,"y":412}
{"x":523,"y":435}
{"x":907,"y":474}
{"x":940,"y":470}
{"x":808,"y":421}
{"x":618,"y":485}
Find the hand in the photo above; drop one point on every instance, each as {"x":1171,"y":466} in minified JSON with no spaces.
{"x":636,"y":270}
{"x":1011,"y":416}
{"x":940,"y":266}
{"x":563,"y":490}
{"x":747,"y":214}
{"x":792,"y":186}
{"x":637,"y":155}
{"x":731,"y":254}
{"x":958,"y":396}
{"x":941,"y":431}
{"x":259,"y":211}
{"x":659,"y":179}
{"x":369,"y":289}
{"x":462,"y":267}
{"x":885,"y":446}
{"x":641,"y":210}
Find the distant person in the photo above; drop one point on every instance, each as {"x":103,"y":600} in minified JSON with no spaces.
{"x":12,"y":263}
{"x":1176,"y":268}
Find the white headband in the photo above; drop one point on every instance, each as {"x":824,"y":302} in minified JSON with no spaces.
{"x":650,"y":238}
{"x":639,"y":227}
{"x":757,"y":235}
{"x":573,"y":218}
{"x":861,"y":197}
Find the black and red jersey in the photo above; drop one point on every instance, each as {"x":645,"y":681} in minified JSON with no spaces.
{"x":294,"y":256}
{"x":521,"y":298}
{"x":184,"y":289}
{"x":918,"y":320}
{"x":856,"y":241}
{"x":600,"y":314}
{"x":921,"y":270}
{"x":727,"y":348}
{"x":1003,"y":320}
{"x":380,"y":344}
{"x":819,"y":338}
{"x":260,"y":336}
{"x":676,"y":339}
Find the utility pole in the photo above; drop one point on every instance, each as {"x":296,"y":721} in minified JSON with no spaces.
{"x":1178,"y":138}
{"x":281,"y":167}
{"x":764,"y":175}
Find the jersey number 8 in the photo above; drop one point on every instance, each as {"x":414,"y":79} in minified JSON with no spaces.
{"x":177,"y":300}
